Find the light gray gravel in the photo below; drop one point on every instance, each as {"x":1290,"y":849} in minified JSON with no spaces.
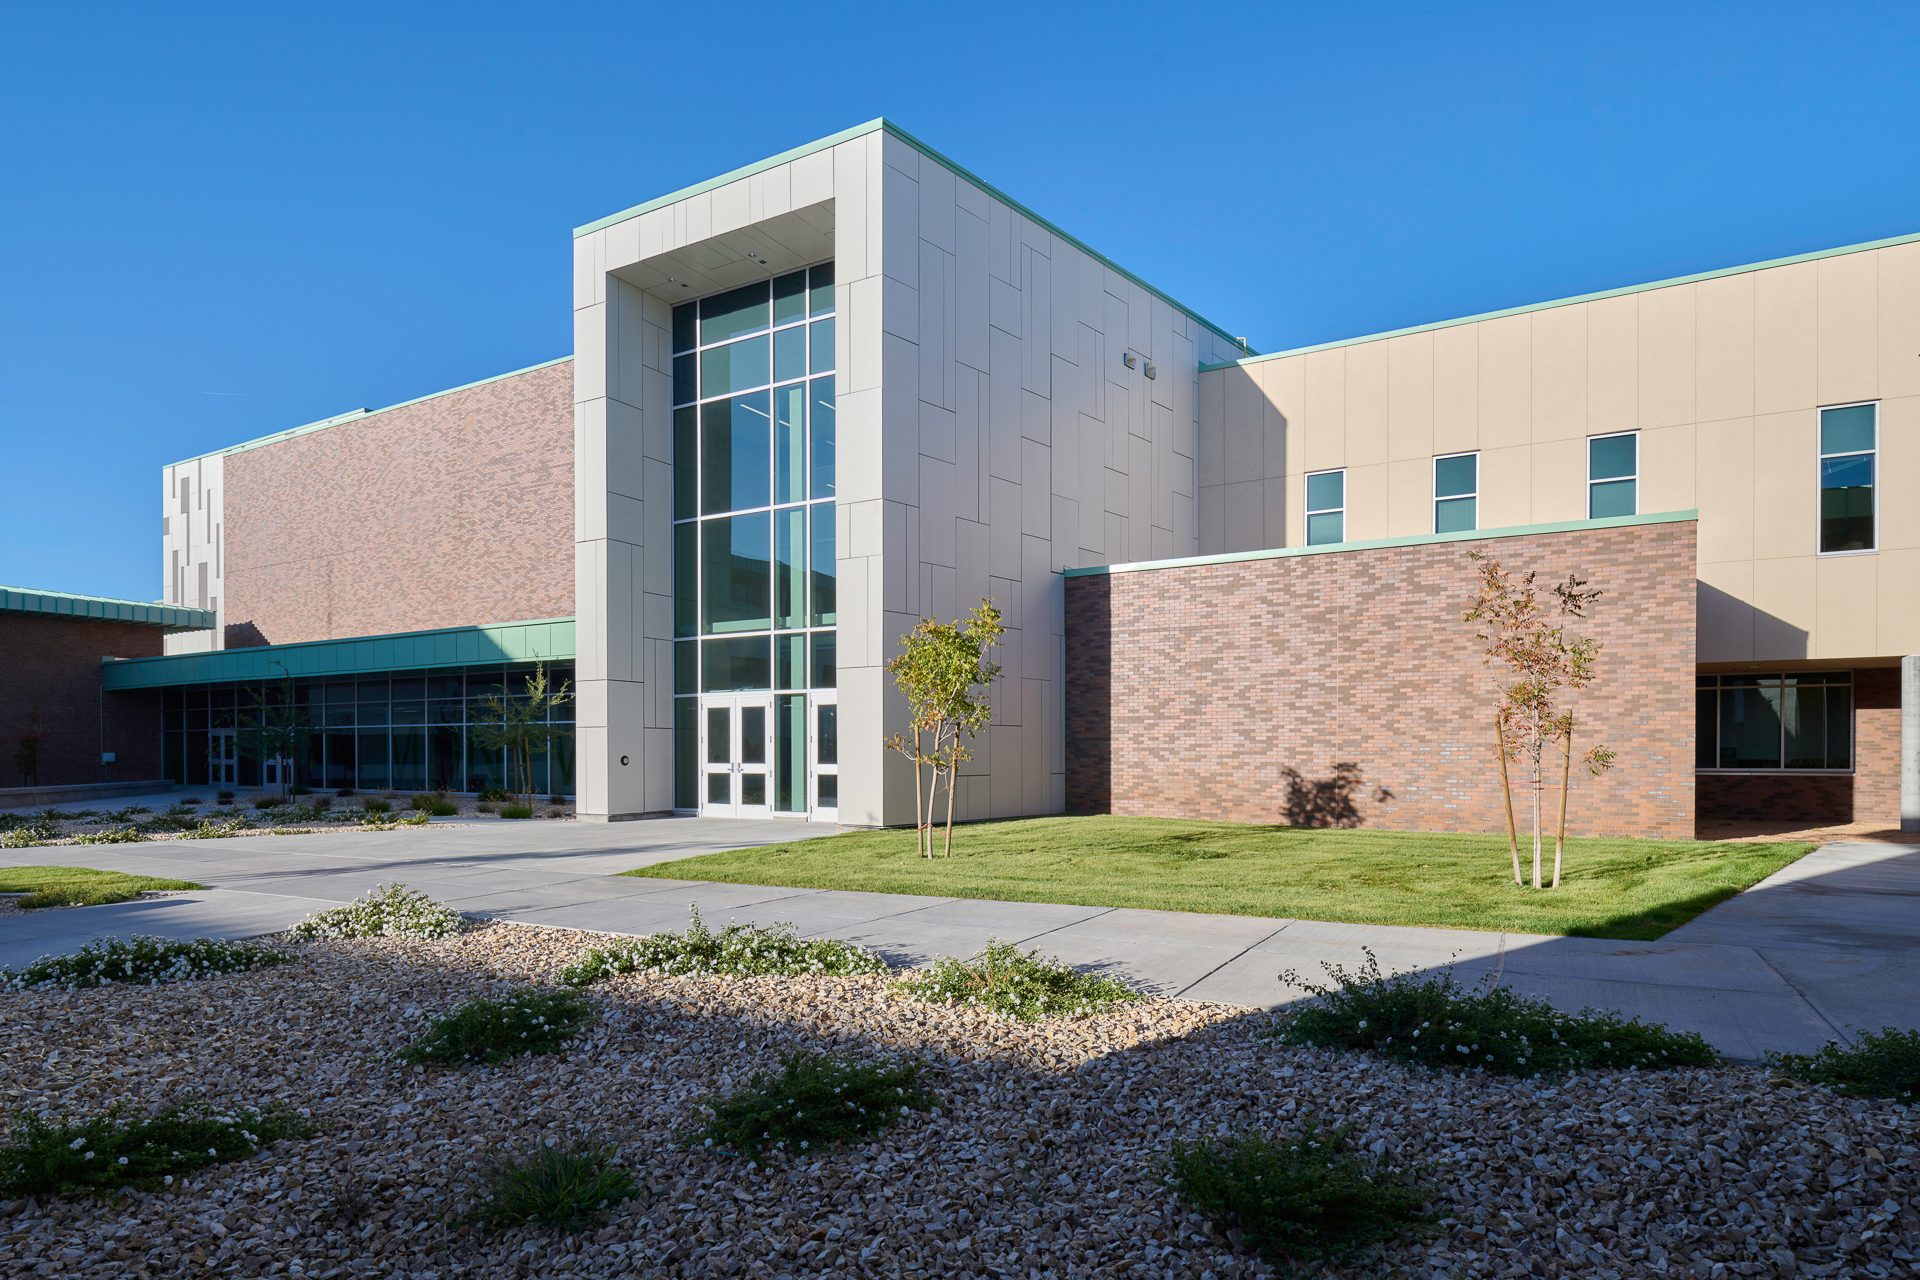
{"x":1042,"y":1161}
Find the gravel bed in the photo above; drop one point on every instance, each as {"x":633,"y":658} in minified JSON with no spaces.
{"x":1042,"y":1161}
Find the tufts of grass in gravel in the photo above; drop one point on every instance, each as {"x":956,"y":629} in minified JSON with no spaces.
{"x":388,"y":911}
{"x":110,"y":1151}
{"x":142,"y":961}
{"x":1299,"y":1199}
{"x":816,"y":1101}
{"x":111,"y":835}
{"x":562,"y":1186}
{"x":1014,"y":984}
{"x":1883,"y":1064}
{"x":1435,"y":1022}
{"x":737,"y":951}
{"x":489,"y":1030}
{"x":79,"y":886}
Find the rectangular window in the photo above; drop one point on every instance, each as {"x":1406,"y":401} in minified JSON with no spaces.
{"x":686,"y":748}
{"x":821,"y":447}
{"x":1849,"y":439}
{"x":1456,"y":493}
{"x":1799,"y":720}
{"x":1326,"y":508}
{"x":790,"y":567}
{"x":736,"y":663}
{"x":790,"y":752}
{"x":1613,"y":475}
{"x":735,"y":447}
{"x":736,"y":573}
{"x":824,"y":566}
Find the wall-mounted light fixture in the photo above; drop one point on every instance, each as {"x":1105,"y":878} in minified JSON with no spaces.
{"x":1126,"y":358}
{"x":1151,"y":371}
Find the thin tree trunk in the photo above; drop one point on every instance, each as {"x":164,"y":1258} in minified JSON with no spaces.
{"x":1537,"y":744}
{"x":919,"y":814}
{"x":1506,"y":793}
{"x":953,"y":776}
{"x":1566,"y":774}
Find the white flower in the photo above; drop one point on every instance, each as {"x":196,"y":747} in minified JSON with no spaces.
{"x":76,"y":1144}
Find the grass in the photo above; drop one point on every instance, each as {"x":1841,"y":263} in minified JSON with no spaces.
{"x":489,"y":1030}
{"x":816,"y":1101}
{"x":79,"y":886}
{"x":565,"y":1186}
{"x":1628,"y":889}
{"x":1029,"y":986}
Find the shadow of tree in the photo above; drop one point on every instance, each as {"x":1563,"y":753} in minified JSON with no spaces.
{"x":1323,"y":802}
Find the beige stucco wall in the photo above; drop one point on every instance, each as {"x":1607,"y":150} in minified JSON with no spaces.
{"x":1721,"y":377}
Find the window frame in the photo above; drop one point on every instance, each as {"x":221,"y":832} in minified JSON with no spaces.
{"x":1820,"y":456}
{"x":1433,"y":487}
{"x":1718,"y":689}
{"x":1635,"y":477}
{"x":1309,"y":511}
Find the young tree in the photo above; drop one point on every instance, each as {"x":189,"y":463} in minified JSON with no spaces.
{"x":940,"y":667}
{"x":1541,"y":659}
{"x":520,"y":725}
{"x":280,"y":731}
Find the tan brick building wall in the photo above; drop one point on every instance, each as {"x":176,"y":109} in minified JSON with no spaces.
{"x":52,"y":667}
{"x":1343,"y":689}
{"x":447,"y":512}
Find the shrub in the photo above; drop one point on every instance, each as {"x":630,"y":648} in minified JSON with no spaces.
{"x":187,"y":800}
{"x":443,"y":808}
{"x":142,"y":961}
{"x":299,"y":791}
{"x":484,"y":807}
{"x":1885,"y":1064}
{"x":389,"y":911}
{"x":1003,"y":980}
{"x":424,"y":801}
{"x":739,"y":950}
{"x":344,"y":792}
{"x":376,"y":806}
{"x":321,"y":802}
{"x":556,"y":799}
{"x":266,"y":802}
{"x":565,"y":1186}
{"x":211,"y":830}
{"x":128,"y":814}
{"x":815,"y":1101}
{"x":175,"y":817}
{"x":1297,"y":1199}
{"x":224,"y":797}
{"x":1435,"y":1022}
{"x":111,"y":835}
{"x":23,"y":838}
{"x":110,"y":1151}
{"x":489,"y":1030}
{"x":495,"y":794}
{"x":516,"y":811}
{"x":414,"y":820}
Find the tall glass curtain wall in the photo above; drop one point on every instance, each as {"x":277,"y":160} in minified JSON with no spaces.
{"x":753,"y":551}
{"x":398,"y":730}
{"x":1800,"y":720}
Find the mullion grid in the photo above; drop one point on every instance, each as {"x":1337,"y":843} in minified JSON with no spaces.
{"x":773,"y":510}
{"x":1719,"y":688}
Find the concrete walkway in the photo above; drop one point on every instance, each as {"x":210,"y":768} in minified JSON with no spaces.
{"x":1830,"y":942}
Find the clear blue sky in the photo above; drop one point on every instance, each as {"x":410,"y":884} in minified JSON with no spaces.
{"x":222,"y":220}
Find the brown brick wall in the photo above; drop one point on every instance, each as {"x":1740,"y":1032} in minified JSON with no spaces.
{"x":1343,"y":688}
{"x":52,"y":666}
{"x":454,"y":511}
{"x":1871,"y":794}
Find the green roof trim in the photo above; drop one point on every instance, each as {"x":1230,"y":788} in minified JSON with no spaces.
{"x":1374,"y":544}
{"x":549,"y":639}
{"x":1888,"y":243}
{"x":105,"y":609}
{"x":881,"y":125}
{"x":357,"y":415}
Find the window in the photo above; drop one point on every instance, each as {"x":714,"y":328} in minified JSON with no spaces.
{"x":1848,"y":436}
{"x":1613,"y":475}
{"x":1800,"y":720}
{"x":1456,"y":493}
{"x":1326,"y":508}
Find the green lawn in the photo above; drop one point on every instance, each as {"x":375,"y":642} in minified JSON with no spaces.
{"x":79,"y":886}
{"x":1630,"y":889}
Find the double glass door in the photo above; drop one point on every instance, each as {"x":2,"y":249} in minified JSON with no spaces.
{"x":222,"y":761}
{"x":769,"y":754}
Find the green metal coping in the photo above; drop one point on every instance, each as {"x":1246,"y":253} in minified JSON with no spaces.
{"x":884,"y":125}
{"x":360,"y":415}
{"x":1372,"y":544}
{"x":1568,"y":302}
{"x":105,"y":608}
{"x":550,"y":639}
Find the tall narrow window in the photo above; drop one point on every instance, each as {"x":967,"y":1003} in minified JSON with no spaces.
{"x":1613,"y":475}
{"x":1456,"y":493}
{"x":1326,"y":508}
{"x":1848,"y":439}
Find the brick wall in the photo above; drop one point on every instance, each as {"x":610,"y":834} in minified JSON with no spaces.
{"x":454,"y":511}
{"x":1871,"y":794}
{"x":52,"y":667}
{"x":1343,"y":689}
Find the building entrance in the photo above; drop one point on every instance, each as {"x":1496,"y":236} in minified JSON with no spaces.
{"x":223,"y":762}
{"x":769,"y":755}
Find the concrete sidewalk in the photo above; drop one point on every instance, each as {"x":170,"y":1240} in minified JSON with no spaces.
{"x":1829,"y":942}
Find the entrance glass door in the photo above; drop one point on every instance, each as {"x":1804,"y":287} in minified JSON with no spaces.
{"x":736,"y":740}
{"x":222,"y":763}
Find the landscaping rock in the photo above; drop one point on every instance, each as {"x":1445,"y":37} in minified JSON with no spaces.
{"x":1043,"y":1158}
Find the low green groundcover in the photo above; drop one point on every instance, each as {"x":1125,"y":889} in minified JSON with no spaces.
{"x":112,"y":1151}
{"x":1014,"y":984}
{"x":143,"y":961}
{"x":1882,"y":1064}
{"x":816,"y":1101}
{"x":738,"y":951}
{"x":485,"y":1029}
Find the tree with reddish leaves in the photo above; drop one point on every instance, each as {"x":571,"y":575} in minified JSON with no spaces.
{"x":1522,"y":631}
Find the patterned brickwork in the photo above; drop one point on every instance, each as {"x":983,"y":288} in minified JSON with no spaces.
{"x":52,"y":666}
{"x":1787,"y":797}
{"x":1343,"y":689}
{"x":454,"y":511}
{"x":1876,"y":744}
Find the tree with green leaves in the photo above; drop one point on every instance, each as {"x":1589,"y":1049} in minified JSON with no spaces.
{"x":280,"y":730}
{"x":521,"y":725}
{"x":943,"y":669}
{"x":1522,"y":633}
